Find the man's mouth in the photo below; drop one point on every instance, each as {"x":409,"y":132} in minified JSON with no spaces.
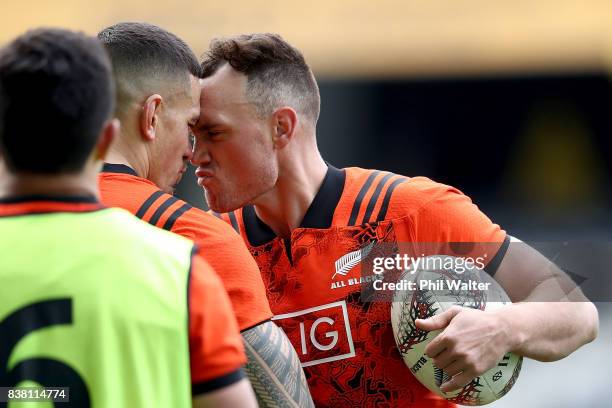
{"x":204,"y":176}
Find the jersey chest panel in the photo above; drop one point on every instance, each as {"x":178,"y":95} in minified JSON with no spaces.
{"x":346,"y":346}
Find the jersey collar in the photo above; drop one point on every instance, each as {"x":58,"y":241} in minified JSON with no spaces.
{"x":47,"y":198}
{"x":23,"y":205}
{"x":319,"y":215}
{"x":118,"y":168}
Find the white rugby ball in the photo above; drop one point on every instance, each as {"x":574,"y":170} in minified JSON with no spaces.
{"x":435,"y":298}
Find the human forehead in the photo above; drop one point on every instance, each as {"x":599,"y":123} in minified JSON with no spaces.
{"x":187,"y":103}
{"x":194,"y":109}
{"x":185,"y":98}
{"x":226,"y":86}
{"x":194,"y":87}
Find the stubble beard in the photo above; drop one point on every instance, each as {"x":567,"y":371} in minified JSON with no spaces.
{"x":240,"y":195}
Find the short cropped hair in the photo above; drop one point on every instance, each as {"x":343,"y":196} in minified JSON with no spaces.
{"x":145,"y":56}
{"x":276,"y":72}
{"x":56,"y":93}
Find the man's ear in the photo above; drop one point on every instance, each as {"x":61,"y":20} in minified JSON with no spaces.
{"x":285,"y":122}
{"x":109,"y":133}
{"x":149,"y":118}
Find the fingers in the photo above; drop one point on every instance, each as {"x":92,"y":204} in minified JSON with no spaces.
{"x":444,"y":359}
{"x":436,"y":347}
{"x":458,"y":381}
{"x":453,"y":368}
{"x":441,"y":343}
{"x":455,"y":350}
{"x":438,"y":322}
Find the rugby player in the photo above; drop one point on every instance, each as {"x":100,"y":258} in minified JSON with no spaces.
{"x":158,"y":100}
{"x":115,"y":311}
{"x":259,"y":165}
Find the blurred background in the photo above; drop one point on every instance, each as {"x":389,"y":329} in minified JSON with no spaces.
{"x":508,"y":100}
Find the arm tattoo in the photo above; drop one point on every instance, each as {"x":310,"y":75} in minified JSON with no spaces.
{"x":274,"y":368}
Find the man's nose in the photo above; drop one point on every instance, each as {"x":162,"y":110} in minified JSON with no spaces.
{"x":188,"y":154}
{"x":199,"y":154}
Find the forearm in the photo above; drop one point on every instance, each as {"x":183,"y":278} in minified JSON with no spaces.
{"x":274,"y":368}
{"x":239,"y":394}
{"x":549,"y":331}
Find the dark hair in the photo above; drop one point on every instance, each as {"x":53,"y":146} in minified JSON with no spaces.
{"x":142,"y":52}
{"x":276,"y":72}
{"x":56,"y":93}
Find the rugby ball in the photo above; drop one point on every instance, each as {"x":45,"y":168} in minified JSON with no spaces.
{"x":436,"y":289}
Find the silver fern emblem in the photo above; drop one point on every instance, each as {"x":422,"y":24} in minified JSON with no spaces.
{"x":350,"y":260}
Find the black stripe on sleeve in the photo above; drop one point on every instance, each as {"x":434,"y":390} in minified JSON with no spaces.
{"x":162,"y":209}
{"x":148,"y":203}
{"x":359,"y":199}
{"x":385,"y":205}
{"x":234,"y":221}
{"x":217,"y":383}
{"x":493,"y":265}
{"x":374,"y":198}
{"x":175,"y":216}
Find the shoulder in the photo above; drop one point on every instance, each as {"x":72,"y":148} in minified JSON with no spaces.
{"x":375,"y":195}
{"x":399,"y":187}
{"x":119,"y":182}
{"x":436,"y":212}
{"x":145,"y":200}
{"x":416,"y":194}
{"x":202,"y":223}
{"x":135,"y":194}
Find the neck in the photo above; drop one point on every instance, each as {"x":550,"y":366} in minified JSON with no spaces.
{"x":125,"y":152}
{"x":300,"y":178}
{"x":82,"y":184}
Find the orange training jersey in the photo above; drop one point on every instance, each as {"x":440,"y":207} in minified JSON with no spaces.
{"x":346,"y":346}
{"x":218,"y":244}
